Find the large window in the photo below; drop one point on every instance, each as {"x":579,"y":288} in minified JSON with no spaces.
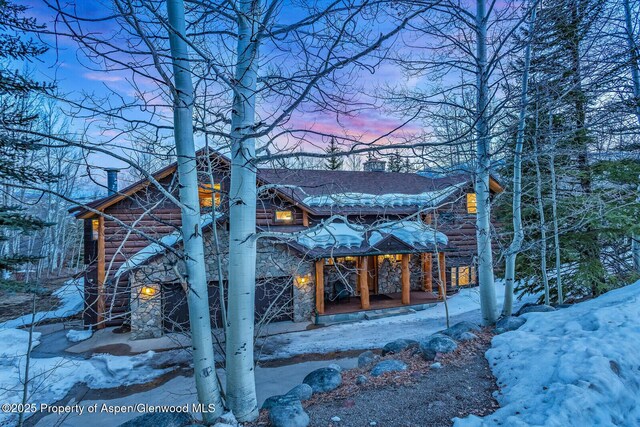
{"x":472,"y":205}
{"x":463,"y":275}
{"x":208,"y":194}
{"x":284,"y":216}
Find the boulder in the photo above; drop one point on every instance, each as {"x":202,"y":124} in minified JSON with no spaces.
{"x":397,"y":346}
{"x":467,"y":336}
{"x":460,"y":328}
{"x":427,"y":354}
{"x":279,"y":400}
{"x":323,"y":380}
{"x":438,"y":343}
{"x":535,"y":308}
{"x":510,"y":323}
{"x":290,"y":415}
{"x":390,"y":365}
{"x":335,"y":366}
{"x":302,"y":392}
{"x":366,"y":359}
{"x":164,"y":419}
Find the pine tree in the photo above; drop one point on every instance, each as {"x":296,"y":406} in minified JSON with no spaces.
{"x":334,"y":161}
{"x":16,"y":146}
{"x":395,"y":162}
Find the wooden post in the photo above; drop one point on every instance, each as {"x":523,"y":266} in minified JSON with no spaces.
{"x":427,"y":272}
{"x":443,"y":274}
{"x":101,"y":302}
{"x":363,"y":273}
{"x":406,"y":280}
{"x":320,"y":286}
{"x":305,"y":218}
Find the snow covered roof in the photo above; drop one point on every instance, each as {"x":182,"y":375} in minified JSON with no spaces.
{"x":156,"y":248}
{"x":340,"y":237}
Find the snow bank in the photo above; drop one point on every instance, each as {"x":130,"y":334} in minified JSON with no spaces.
{"x":52,"y":378}
{"x":430,"y":198}
{"x":578,"y":366}
{"x":77,"y":336}
{"x":333,"y":234}
{"x":71,"y":296}
{"x":411,"y":232}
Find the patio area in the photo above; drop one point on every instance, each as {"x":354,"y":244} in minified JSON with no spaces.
{"x":379,"y":302}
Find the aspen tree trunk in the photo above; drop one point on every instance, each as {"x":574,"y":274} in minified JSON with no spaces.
{"x":635,"y":78}
{"x":556,"y":234}
{"x":483,"y":160}
{"x":518,"y":233}
{"x":197,"y":293}
{"x":241,"y":388}
{"x":543,"y":225}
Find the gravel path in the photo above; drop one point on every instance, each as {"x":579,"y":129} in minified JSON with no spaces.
{"x":437,"y":396}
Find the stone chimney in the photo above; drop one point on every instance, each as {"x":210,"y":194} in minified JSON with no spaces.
{"x":373,"y":165}
{"x":112,"y":180}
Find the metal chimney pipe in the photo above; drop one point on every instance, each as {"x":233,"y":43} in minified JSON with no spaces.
{"x":112,"y":180}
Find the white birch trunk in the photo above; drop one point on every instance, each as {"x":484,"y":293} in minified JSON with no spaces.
{"x":197,"y":293}
{"x":241,"y":389}
{"x":483,"y":159}
{"x":518,"y":234}
{"x":635,"y":78}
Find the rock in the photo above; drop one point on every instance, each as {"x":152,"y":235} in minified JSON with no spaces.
{"x":427,"y":354}
{"x":534,"y":308}
{"x":164,"y":419}
{"x":302,"y":392}
{"x":226,"y":420}
{"x":439,"y":344}
{"x":436,"y":365}
{"x":390,"y":365}
{"x":373,"y":423}
{"x":323,"y":380}
{"x":366,"y":359}
{"x":510,"y":323}
{"x":361,"y":379}
{"x":291,"y":415}
{"x":467,"y":336}
{"x":279,"y":400}
{"x":397,"y":346}
{"x":336,"y":419}
{"x":335,"y":366}
{"x":460,"y":328}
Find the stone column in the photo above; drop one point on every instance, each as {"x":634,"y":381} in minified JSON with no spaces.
{"x":146,"y":311}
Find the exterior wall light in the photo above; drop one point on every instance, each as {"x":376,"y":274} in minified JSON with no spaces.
{"x":302,"y":281}
{"x":148,"y":291}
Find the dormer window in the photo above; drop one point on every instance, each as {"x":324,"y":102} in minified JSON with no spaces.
{"x":284,"y":216}
{"x":208,"y":194}
{"x":472,"y":205}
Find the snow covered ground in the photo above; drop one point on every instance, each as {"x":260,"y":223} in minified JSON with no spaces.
{"x":52,"y":378}
{"x":578,"y":366}
{"x":71,"y":296}
{"x":368,"y":334}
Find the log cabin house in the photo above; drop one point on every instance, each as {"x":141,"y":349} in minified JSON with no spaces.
{"x":332,"y":245}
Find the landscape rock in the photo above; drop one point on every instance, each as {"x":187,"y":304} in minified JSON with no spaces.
{"x":291,"y":415}
{"x":436,"y":365}
{"x":397,"y":346}
{"x":427,"y":354}
{"x":323,"y":380}
{"x":438,"y":343}
{"x":366,"y":359}
{"x":460,"y":328}
{"x":510,"y":323}
{"x":535,"y":308}
{"x":361,"y":379}
{"x":279,"y":400}
{"x":302,"y":392}
{"x":467,"y":336}
{"x":336,"y":419}
{"x":335,"y":366}
{"x":164,"y":419}
{"x":388,"y":366}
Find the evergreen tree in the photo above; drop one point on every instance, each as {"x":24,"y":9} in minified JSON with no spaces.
{"x":395,"y":162}
{"x":334,"y":162}
{"x":16,"y":146}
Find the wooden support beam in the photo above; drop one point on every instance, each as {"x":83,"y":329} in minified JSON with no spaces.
{"x":363,"y":283}
{"x":100,"y":304}
{"x":305,"y":218}
{"x":427,"y":272}
{"x":320,"y":286}
{"x":406,"y":280}
{"x":442,"y":288}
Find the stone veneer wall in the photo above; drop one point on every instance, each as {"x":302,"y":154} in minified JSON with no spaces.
{"x":273,"y":261}
{"x":146,"y":312}
{"x":390,"y":275}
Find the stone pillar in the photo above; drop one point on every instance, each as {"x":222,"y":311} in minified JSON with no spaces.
{"x":146,"y":311}
{"x":304,"y":291}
